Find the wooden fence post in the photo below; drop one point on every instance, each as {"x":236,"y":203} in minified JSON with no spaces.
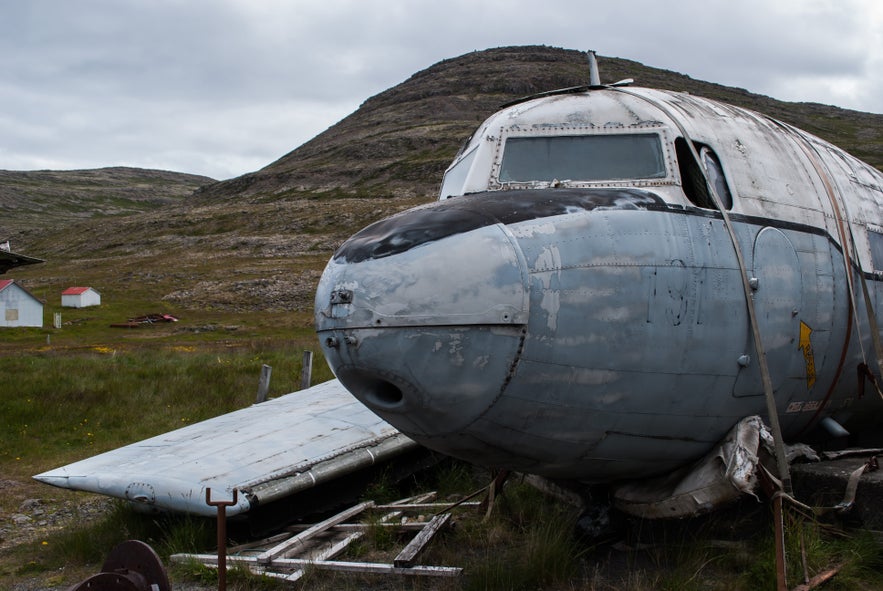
{"x":306,"y":372}
{"x":264,"y":386}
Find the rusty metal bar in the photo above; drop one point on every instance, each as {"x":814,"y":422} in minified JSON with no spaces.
{"x":778,"y":516}
{"x":222,"y":533}
{"x":819,"y":579}
{"x":773,"y":489}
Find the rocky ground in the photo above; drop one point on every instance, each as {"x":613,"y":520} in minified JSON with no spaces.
{"x":36,"y":516}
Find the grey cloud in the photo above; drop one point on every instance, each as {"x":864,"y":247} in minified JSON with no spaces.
{"x":223,"y":87}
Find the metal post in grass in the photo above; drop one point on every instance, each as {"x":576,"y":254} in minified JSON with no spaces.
{"x":781,"y":559}
{"x":306,"y":372}
{"x":222,"y":533}
{"x":264,"y":385}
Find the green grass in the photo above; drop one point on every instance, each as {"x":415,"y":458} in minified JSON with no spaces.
{"x":65,"y":406}
{"x":529,"y":543}
{"x":72,"y":401}
{"x":86,"y":388}
{"x":820,"y":547}
{"x":87,"y":392}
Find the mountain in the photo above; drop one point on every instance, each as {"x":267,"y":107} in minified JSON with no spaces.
{"x":259,"y":241}
{"x":399,"y":142}
{"x":37,"y":199}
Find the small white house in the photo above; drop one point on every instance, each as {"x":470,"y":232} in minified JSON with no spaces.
{"x":18,"y":306}
{"x":80,"y":297}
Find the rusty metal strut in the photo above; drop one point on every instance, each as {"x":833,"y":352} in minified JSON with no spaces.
{"x":222,"y":534}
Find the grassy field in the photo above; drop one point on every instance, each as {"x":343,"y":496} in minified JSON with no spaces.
{"x":86,"y":399}
{"x":75,"y":391}
{"x":86,"y":388}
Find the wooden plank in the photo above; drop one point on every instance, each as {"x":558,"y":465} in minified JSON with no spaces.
{"x":819,"y":579}
{"x":306,"y":371}
{"x":292,"y":543}
{"x":426,"y":506}
{"x":336,"y":548}
{"x":374,"y":567}
{"x":342,"y":527}
{"x":264,"y":384}
{"x":275,"y":563}
{"x":258,"y":543}
{"x":421,"y":498}
{"x":211,"y":560}
{"x":333,"y":565}
{"x":329,"y":552}
{"x":408,"y":555}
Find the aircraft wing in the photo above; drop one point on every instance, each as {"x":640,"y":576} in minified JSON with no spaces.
{"x":266,"y":451}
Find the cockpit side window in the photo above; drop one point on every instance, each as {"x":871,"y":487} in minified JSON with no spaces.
{"x":693,"y":180}
{"x":716,"y":176}
{"x":455,"y":178}
{"x":875,"y":241}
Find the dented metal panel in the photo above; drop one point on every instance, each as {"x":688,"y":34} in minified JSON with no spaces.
{"x":630,"y":350}
{"x":728,"y":471}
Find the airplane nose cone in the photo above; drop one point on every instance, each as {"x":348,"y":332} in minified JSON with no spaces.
{"x":422,"y":317}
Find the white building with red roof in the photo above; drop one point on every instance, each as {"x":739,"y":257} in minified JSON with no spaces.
{"x":80,"y":297}
{"x":18,"y":306}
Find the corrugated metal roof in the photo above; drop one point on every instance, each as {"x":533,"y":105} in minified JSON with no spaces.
{"x":4,"y":283}
{"x":75,"y":290}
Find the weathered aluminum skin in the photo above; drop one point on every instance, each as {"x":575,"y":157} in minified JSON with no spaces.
{"x":266,"y":451}
{"x":598,"y":329}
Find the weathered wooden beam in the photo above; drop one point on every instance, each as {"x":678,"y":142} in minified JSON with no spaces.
{"x":329,"y":552}
{"x":426,"y":506}
{"x":306,"y":372}
{"x":408,"y":556}
{"x":333,"y":565}
{"x":273,"y":562}
{"x":375,"y":567}
{"x":341,"y":527}
{"x":264,"y":384}
{"x":298,"y":540}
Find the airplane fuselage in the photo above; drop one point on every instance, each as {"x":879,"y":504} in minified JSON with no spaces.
{"x":573,"y":305}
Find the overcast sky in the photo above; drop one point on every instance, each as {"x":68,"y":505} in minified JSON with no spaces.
{"x":224,"y":87}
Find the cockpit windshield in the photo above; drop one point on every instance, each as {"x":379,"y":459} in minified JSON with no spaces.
{"x":582,"y":158}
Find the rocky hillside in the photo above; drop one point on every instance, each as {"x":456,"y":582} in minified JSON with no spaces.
{"x":35,"y":200}
{"x":399,"y":142}
{"x":259,"y":241}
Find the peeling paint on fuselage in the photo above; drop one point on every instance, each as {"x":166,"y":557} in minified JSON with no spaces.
{"x":550,"y":284}
{"x":606,"y":334}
